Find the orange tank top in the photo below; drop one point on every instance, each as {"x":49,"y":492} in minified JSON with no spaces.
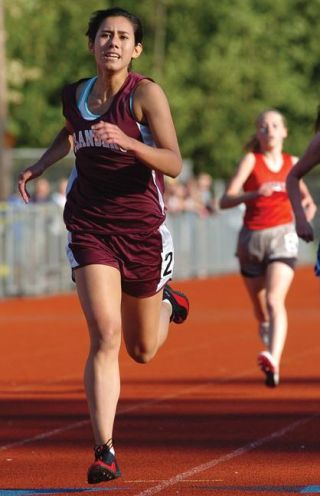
{"x":268,"y":211}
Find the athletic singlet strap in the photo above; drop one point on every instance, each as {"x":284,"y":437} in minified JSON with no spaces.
{"x":83,"y":100}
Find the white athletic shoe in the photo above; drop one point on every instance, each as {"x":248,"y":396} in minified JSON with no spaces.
{"x":267,"y":365}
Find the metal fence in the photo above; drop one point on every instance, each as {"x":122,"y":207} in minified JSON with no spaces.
{"x":32,"y":250}
{"x":33,"y":239}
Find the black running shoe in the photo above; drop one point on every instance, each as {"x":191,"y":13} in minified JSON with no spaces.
{"x":179,"y":303}
{"x":105,"y":467}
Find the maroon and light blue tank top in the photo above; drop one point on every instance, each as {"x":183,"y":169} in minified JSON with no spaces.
{"x":110,"y":191}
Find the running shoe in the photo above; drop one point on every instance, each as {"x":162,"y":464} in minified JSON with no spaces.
{"x":105,"y":467}
{"x":268,"y":366}
{"x":179,"y":303}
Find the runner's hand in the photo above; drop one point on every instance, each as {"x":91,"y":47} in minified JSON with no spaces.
{"x":27,"y":175}
{"x":304,"y":230}
{"x":112,"y":134}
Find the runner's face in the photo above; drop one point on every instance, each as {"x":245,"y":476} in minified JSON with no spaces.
{"x":114,"y":45}
{"x":271,"y":131}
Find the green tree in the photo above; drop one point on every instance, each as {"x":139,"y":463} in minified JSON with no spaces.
{"x":231,"y":61}
{"x":221,"y":63}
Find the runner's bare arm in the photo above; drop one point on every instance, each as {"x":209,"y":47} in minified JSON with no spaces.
{"x":58,"y":149}
{"x":233,"y":194}
{"x":152,"y":108}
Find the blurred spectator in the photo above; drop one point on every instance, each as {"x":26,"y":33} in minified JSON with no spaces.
{"x":41,"y":192}
{"x":194,"y":201}
{"x":59,"y":196}
{"x":205,"y":189}
{"x":195,"y":195}
{"x":175,"y":196}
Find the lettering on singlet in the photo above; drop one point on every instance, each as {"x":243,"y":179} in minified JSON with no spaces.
{"x":86,"y":139}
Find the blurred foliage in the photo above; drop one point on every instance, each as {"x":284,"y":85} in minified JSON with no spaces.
{"x":220,"y":63}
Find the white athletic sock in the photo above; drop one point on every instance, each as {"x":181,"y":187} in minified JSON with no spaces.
{"x":169,"y":304}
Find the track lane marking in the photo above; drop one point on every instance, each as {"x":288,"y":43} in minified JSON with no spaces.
{"x":124,"y":410}
{"x":132,"y":408}
{"x":225,"y":458}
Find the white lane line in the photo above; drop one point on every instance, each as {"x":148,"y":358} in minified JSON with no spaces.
{"x":75,"y":425}
{"x":43,"y":435}
{"x":81,"y":423}
{"x":225,"y":458}
{"x":132,"y":408}
{"x":121,"y":411}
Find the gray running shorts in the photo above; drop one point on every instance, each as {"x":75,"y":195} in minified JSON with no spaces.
{"x":256,"y":249}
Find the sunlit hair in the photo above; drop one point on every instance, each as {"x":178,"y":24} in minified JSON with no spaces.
{"x":99,"y":16}
{"x":253,"y":145}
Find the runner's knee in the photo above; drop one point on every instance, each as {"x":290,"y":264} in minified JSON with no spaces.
{"x":140,"y":352}
{"x":274,"y":303}
{"x":106,"y":336}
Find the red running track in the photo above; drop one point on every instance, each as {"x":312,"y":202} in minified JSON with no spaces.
{"x":198,"y":420}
